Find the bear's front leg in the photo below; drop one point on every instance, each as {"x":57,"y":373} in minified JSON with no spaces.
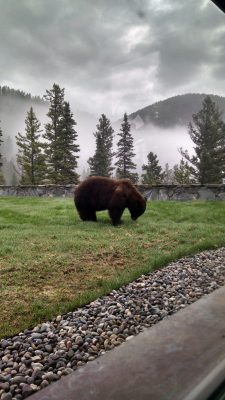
{"x":88,"y":216}
{"x":115,"y":215}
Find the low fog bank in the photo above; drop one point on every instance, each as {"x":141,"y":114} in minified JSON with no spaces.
{"x":12,"y":116}
{"x":164,"y":142}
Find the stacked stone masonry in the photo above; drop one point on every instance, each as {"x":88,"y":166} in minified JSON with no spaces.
{"x":157,"y":192}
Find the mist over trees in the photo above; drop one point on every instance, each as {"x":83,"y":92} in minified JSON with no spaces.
{"x":53,"y":160}
{"x":168,"y":177}
{"x":176,"y":110}
{"x":7,"y":92}
{"x":14,"y":105}
{"x":54,"y":150}
{"x":9,"y":171}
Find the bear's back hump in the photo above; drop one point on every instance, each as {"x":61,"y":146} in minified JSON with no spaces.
{"x":95,"y":189}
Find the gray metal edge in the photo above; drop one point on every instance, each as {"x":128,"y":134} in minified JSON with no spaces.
{"x":180,"y":358}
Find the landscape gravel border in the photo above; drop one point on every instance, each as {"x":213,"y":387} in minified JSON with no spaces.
{"x":36,"y":357}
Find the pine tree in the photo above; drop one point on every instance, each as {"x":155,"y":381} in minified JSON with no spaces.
{"x":101,"y":163}
{"x":68,"y":147}
{"x":207,"y":132}
{"x":125,"y":153}
{"x":30,"y":158}
{"x":53,"y":151}
{"x":153,"y":171}
{"x":182,"y":173}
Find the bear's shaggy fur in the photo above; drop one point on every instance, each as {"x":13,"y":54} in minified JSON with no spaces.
{"x":98,"y":193}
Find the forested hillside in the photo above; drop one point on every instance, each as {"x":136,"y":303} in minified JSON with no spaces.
{"x":14,"y":104}
{"x":13,"y":107}
{"x":174,"y":111}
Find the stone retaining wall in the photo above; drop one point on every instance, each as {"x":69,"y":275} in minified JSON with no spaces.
{"x":157,"y":192}
{"x":184,"y":192}
{"x":38,"y":191}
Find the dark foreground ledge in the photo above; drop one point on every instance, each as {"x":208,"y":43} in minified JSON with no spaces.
{"x":181,"y":358}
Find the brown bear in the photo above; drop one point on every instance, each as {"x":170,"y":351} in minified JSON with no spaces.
{"x":99,"y":193}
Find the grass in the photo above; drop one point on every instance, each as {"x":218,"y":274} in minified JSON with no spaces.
{"x":51,"y":262}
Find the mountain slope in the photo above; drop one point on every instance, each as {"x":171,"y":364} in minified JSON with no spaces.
{"x":174,"y":111}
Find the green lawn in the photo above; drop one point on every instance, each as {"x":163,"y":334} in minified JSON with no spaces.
{"x":51,"y":262}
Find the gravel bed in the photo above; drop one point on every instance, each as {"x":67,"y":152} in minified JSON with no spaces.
{"x":36,"y":357}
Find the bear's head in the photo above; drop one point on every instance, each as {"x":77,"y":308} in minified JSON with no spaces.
{"x":137,"y":207}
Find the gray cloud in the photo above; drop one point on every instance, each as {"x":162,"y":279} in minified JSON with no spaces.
{"x":112,"y":56}
{"x":187,"y":44}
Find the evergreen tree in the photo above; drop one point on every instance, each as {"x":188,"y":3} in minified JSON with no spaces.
{"x":207,"y":132}
{"x":101,"y":163}
{"x":153,"y":171}
{"x":68,"y":148}
{"x":182,"y":173}
{"x":30,"y":158}
{"x":2,"y":179}
{"x":53,"y":134}
{"x":125,"y":153}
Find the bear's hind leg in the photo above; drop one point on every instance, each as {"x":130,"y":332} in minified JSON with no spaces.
{"x":92,"y":217}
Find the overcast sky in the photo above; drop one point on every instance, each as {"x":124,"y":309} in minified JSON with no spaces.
{"x":113,"y":56}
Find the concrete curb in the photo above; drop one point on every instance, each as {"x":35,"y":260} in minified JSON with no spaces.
{"x":179,"y":358}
